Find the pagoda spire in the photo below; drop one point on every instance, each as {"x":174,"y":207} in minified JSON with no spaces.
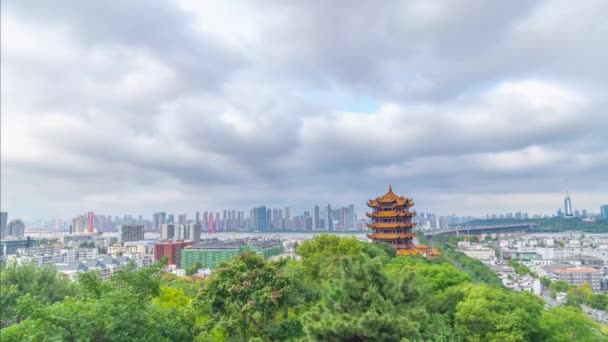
{"x":390,"y":188}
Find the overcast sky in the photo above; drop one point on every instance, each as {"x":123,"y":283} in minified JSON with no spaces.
{"x":469,"y":107}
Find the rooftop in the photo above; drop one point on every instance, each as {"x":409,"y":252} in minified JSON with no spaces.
{"x":576,"y":270}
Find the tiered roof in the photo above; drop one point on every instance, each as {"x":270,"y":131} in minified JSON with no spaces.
{"x":390,"y":198}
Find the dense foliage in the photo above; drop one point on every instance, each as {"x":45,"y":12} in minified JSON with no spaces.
{"x":341,"y":289}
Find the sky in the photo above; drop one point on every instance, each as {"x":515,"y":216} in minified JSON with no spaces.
{"x":469,"y":107}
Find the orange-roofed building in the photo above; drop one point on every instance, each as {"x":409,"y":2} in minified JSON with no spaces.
{"x":392,"y":223}
{"x":579,"y":275}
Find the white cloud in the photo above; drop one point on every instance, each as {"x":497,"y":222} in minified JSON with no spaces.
{"x":199,"y":104}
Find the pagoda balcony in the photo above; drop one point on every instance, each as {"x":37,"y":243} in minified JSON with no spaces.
{"x":389,"y":225}
{"x":391,"y":236}
{"x":385,"y":214}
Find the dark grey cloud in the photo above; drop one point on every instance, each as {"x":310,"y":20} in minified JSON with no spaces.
{"x":142,"y":106}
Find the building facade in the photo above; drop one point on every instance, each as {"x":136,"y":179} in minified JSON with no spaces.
{"x":577,"y":276}
{"x":169,"y":249}
{"x":131,"y":232}
{"x":15,"y":228}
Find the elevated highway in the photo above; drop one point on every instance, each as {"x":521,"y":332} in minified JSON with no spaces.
{"x":488,"y":229}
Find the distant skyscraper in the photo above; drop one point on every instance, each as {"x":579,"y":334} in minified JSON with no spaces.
{"x":350,"y":222}
{"x":197,"y":217}
{"x":90,"y":218}
{"x":181,"y":218}
{"x":316,"y":222}
{"x":210,"y":224}
{"x":162,"y":219}
{"x":568,"y":206}
{"x":170,"y":218}
{"x":155,"y":222}
{"x":604,"y":212}
{"x":262,"y":218}
{"x":329,"y":220}
{"x":3,"y":223}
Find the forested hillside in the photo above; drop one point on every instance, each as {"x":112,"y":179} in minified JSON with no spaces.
{"x":340,"y":290}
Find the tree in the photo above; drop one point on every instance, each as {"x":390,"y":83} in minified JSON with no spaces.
{"x":244,"y":295}
{"x":566,"y":324}
{"x":321,"y":255}
{"x":42,"y":283}
{"x":192,"y":269}
{"x":598,"y":301}
{"x":363,"y":303}
{"x":558,"y":286}
{"x":579,"y":294}
{"x":494,"y":314}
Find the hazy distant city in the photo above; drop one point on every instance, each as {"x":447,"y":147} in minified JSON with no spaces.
{"x":266,"y":219}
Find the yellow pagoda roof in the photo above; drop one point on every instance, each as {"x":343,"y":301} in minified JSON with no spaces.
{"x":389,"y":198}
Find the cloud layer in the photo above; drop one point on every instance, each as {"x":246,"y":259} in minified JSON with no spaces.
{"x":467,"y":106}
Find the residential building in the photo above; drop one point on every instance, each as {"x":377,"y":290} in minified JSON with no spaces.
{"x":167,"y":231}
{"x":131,"y":232}
{"x":10,"y":246}
{"x":577,"y":276}
{"x":15,"y":228}
{"x":171,"y":250}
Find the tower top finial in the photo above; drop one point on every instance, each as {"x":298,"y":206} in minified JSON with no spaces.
{"x":390,"y":188}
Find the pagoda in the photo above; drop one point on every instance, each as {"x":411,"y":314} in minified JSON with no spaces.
{"x":392,"y":223}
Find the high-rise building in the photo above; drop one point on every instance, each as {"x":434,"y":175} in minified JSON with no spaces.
{"x":261,"y":214}
{"x":79,"y":224}
{"x":181,"y":218}
{"x":205,"y":219}
{"x":155,"y":221}
{"x":131,"y":232}
{"x":350,"y":222}
{"x":167,"y":231}
{"x":90,"y":220}
{"x":604,"y":212}
{"x":568,"y":206}
{"x":15,"y":228}
{"x":316,"y":223}
{"x":195,"y":229}
{"x":3,"y":223}
{"x":197,"y":217}
{"x":162,"y":219}
{"x":329,"y":222}
{"x":170,"y":218}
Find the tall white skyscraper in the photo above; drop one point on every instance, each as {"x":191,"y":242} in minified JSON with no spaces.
{"x":568,"y":206}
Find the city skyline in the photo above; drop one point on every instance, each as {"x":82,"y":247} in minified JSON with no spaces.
{"x":234,"y":105}
{"x":176,"y":215}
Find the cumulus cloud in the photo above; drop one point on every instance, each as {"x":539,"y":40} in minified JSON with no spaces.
{"x":189,"y":105}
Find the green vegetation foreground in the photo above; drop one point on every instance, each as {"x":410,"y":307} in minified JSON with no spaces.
{"x":341,"y":290}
